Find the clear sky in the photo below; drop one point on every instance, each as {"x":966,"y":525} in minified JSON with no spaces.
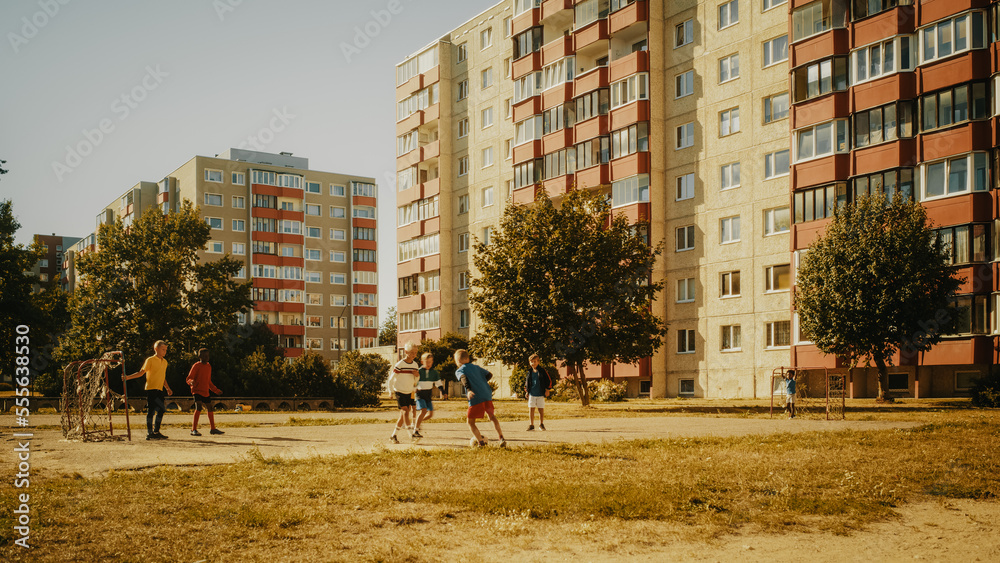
{"x":169,"y":80}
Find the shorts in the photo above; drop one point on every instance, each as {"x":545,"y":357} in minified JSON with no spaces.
{"x":404,"y":400}
{"x":424,"y":401}
{"x":536,"y":402}
{"x":479,"y":410}
{"x":200,"y":400}
{"x":790,"y":399}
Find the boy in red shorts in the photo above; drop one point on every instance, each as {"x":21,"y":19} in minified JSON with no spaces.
{"x":200,"y":381}
{"x":480,"y":395}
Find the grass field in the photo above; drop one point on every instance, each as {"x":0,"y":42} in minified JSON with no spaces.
{"x":429,"y":505}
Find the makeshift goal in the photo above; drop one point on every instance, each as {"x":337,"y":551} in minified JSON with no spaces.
{"x":817,"y":392}
{"x":88,"y":402}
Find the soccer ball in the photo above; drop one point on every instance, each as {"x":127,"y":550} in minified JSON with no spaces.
{"x":474,"y":443}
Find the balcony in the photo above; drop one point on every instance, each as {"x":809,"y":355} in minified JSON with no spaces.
{"x":594,"y":127}
{"x":899,"y":86}
{"x":276,"y":191}
{"x":628,"y":114}
{"x":557,"y":140}
{"x":280,"y":307}
{"x":629,"y":65}
{"x":525,"y":195}
{"x":417,"y":83}
{"x":528,"y":151}
{"x":868,"y":160}
{"x":821,"y":109}
{"x":552,"y":8}
{"x":594,"y":176}
{"x":890,"y":23}
{"x":287,"y":330}
{"x":833,"y":42}
{"x":525,"y":20}
{"x":280,"y":238}
{"x":628,"y":16}
{"x":958,"y":139}
{"x":960,"y":209}
{"x":973,"y":65}
{"x":526,"y":108}
{"x":531,"y":62}
{"x":821,"y":171}
{"x":591,"y":33}
{"x":959,"y":351}
{"x":558,"y":49}
{"x":630,"y":165}
{"x":558,"y":186}
{"x":590,"y":81}
{"x":634,"y":213}
{"x":557,"y":95}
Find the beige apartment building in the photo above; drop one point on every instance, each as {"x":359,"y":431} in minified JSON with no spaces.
{"x":306,"y":238}
{"x":678,"y":111}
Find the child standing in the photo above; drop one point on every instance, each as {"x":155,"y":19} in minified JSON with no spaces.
{"x":402,"y":382}
{"x":425,"y":390}
{"x":536,"y":386}
{"x":200,"y":381}
{"x":790,"y":392}
{"x":480,"y":395}
{"x":155,"y":370}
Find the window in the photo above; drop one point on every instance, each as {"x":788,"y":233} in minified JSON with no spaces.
{"x":530,"y":173}
{"x":463,"y":166}
{"x":951,"y":36}
{"x":731,"y":338}
{"x":463,"y":90}
{"x":589,"y":11}
{"x":487,"y":231}
{"x":338,"y":279}
{"x":487,"y":157}
{"x":486,"y":78}
{"x":463,"y":280}
{"x":338,"y":256}
{"x":768,"y":4}
{"x":558,"y":72}
{"x":426,"y":319}
{"x":418,"y":247}
{"x":238,"y":178}
{"x":729,"y":230}
{"x":883,"y":58}
{"x":685,"y":186}
{"x":729,"y":122}
{"x":819,"y":78}
{"x":683,"y":33}
{"x":528,"y":130}
{"x":213,"y":175}
{"x":239,"y":202}
{"x":685,"y":136}
{"x":889,"y":182}
{"x":415,"y":65}
{"x":777,"y":220}
{"x":779,"y":334}
{"x":865,"y":8}
{"x":684,"y":84}
{"x":507,"y":67}
{"x":730,"y":175}
{"x":558,"y":118}
{"x":363,"y":255}
{"x":338,"y":234}
{"x":508,"y":107}
{"x":488,"y":196}
{"x":463,"y":128}
{"x":685,"y":290}
{"x":593,"y":104}
{"x":965,"y":244}
{"x":817,"y":17}
{"x":406,"y":143}
{"x":685,"y":387}
{"x":775,"y":107}
{"x":965,"y":379}
{"x":685,"y":341}
{"x":312,"y":187}
{"x":337,"y":190}
{"x":507,"y":27}
{"x":955,"y":105}
{"x":730,"y":284}
{"x":775,"y":164}
{"x":527,"y":86}
{"x":684,"y":238}
{"x":487,"y":117}
{"x":775,"y":50}
{"x":635,"y":87}
{"x":952,"y":176}
{"x":899,"y":382}
{"x":313,"y":209}
{"x":363,"y":189}
{"x":213,"y":199}
{"x":818,"y":203}
{"x":777,"y":278}
{"x":416,"y":102}
{"x":883,"y":124}
{"x":729,"y":14}
{"x":239,"y":248}
{"x":593,"y":152}
{"x":631,"y":190}
{"x":486,"y":38}
{"x":729,"y":68}
{"x":216,"y":247}
{"x":821,"y":140}
{"x":463,"y":318}
{"x":463,"y":52}
{"x":366,"y":278}
{"x":239,"y":225}
{"x":463,"y":204}
{"x":314,"y":232}
{"x":214,"y":222}
{"x":630,"y":140}
{"x":338,"y":300}
{"x":463,"y":242}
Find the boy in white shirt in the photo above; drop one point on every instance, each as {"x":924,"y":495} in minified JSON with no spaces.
{"x":402,"y":383}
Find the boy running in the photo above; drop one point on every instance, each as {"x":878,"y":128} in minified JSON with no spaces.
{"x":200,"y":381}
{"x":155,"y":370}
{"x":480,"y":395}
{"x":536,"y":387}
{"x":425,"y":390}
{"x":402,"y":383}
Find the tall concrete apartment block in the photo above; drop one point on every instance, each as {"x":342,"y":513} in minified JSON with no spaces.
{"x":901,"y":97}
{"x":49,"y":267}
{"x":306,"y":238}
{"x":454,"y":175}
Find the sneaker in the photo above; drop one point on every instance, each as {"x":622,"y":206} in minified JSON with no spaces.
{"x":393,"y":439}
{"x":502,"y":444}
{"x":159,"y":436}
{"x":531,"y":427}
{"x":216,"y":431}
{"x":150,"y":437}
{"x":541,"y":427}
{"x":416,"y":434}
{"x":195,"y":433}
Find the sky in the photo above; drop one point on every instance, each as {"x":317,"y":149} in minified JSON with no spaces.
{"x":98,"y":96}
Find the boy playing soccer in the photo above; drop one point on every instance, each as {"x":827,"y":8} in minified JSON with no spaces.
{"x":480,"y":395}
{"x":200,"y":381}
{"x":402,"y":383}
{"x":425,"y":390}
{"x":155,"y":370}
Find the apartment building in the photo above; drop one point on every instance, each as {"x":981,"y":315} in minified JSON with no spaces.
{"x":454,"y":170}
{"x":901,"y":97}
{"x":49,"y":267}
{"x":306,"y":238}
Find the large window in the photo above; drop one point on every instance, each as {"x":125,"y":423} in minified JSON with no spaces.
{"x":776,"y":50}
{"x":775,"y":107}
{"x":955,"y":176}
{"x":527,"y":42}
{"x":819,"y":78}
{"x":818,"y":203}
{"x":558,"y":72}
{"x":635,"y":87}
{"x":883,"y":58}
{"x":560,"y":163}
{"x":888,"y":182}
{"x":417,"y":65}
{"x":952,"y":36}
{"x":729,"y":14}
{"x":965,"y":244}
{"x":779,"y":334}
{"x":521,"y":6}
{"x":559,"y":117}
{"x":418,"y":247}
{"x":821,"y":140}
{"x":817,"y":17}
{"x":634,"y":189}
{"x":421,"y":100}
{"x":974,"y":314}
{"x":527,"y":86}
{"x":776,"y":221}
{"x":731,"y":338}
{"x":528,"y":173}
{"x":629,"y":140}
{"x":528,"y":130}
{"x":883,"y":124}
{"x":589,"y":11}
{"x":593,"y":152}
{"x":592,"y":104}
{"x":426,"y":319}
{"x":775,"y":164}
{"x":865,"y":8}
{"x":955,"y":105}
{"x":777,"y":278}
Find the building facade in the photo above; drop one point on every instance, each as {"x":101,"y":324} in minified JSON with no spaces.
{"x":306,"y":238}
{"x":49,"y":268}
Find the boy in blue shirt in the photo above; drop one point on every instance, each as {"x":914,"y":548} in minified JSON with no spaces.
{"x":790,"y":393}
{"x":480,"y":395}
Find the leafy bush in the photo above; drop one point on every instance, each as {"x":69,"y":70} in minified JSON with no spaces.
{"x":608,"y":391}
{"x":986,"y":391}
{"x":564,"y":390}
{"x":359,"y":379}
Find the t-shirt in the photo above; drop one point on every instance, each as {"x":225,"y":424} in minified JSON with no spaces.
{"x":429,"y":378}
{"x":156,"y":372}
{"x":476,"y":381}
{"x":403,"y":382}
{"x":535,"y":386}
{"x":790,"y":387}
{"x":200,"y":379}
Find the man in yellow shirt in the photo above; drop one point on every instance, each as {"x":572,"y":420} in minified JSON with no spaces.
{"x":155,"y":370}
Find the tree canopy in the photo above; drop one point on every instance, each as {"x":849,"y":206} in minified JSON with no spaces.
{"x":568,"y":282}
{"x":16,"y":307}
{"x":387,"y":332}
{"x":877,"y":281}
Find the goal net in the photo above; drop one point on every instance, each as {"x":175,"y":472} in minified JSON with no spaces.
{"x":87,"y":401}
{"x":818,"y":393}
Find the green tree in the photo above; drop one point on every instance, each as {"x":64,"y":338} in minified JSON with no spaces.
{"x":264,"y":375}
{"x":443,"y":350}
{"x":15,"y":288}
{"x":359,"y":379}
{"x":570,"y":283}
{"x":2,"y":169}
{"x":309,"y":375}
{"x":146,"y":283}
{"x":242,"y":341}
{"x":387,"y":332}
{"x":876,"y":282}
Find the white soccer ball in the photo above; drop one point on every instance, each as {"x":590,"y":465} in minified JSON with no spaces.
{"x":473,"y":442}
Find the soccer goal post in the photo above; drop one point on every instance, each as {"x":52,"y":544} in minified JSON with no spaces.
{"x":818,"y":391}
{"x":88,"y":402}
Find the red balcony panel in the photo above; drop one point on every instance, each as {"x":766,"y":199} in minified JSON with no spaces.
{"x":933,"y":10}
{"x":364,"y":288}
{"x":264,"y":213}
{"x":364,"y":200}
{"x":978,"y":277}
{"x":410,"y":123}
{"x":286,"y":215}
{"x":431,"y":299}
{"x":821,"y":171}
{"x":634,"y":213}
{"x":593,"y":127}
{"x":363,"y":222}
{"x":803,"y":234}
{"x":431,"y":263}
{"x":277,"y":191}
{"x":359,"y":310}
{"x":869,"y":160}
{"x":628,"y":114}
{"x":409,"y":159}
{"x":526,"y":108}
{"x":525,"y":20}
{"x":525,"y":195}
{"x":408,"y":268}
{"x":266,"y":306}
{"x":629,"y":65}
{"x":890,"y":23}
{"x":834,"y":42}
{"x":553,"y":7}
{"x":557,"y":140}
{"x":977,"y":135}
{"x":810,"y":356}
{"x":293,"y":352}
{"x":365,"y":267}
{"x":590,"y":81}
{"x":410,"y":87}
{"x":899,"y":86}
{"x":532,"y":62}
{"x":974,"y":65}
{"x":557,"y":95}
{"x":429,"y":226}
{"x":287,"y":330}
{"x":557,"y":49}
{"x":956,"y":210}
{"x":591,"y":33}
{"x":593,"y":176}
{"x":408,"y":304}
{"x":623,"y":167}
{"x":162,"y":197}
{"x":365,"y":245}
{"x":406,"y":232}
{"x":527,"y":151}
{"x":970,"y":350}
{"x":819,"y":110}
{"x":628,"y":16}
{"x":366,"y":332}
{"x":276,"y":237}
{"x":558,"y":186}
{"x":430,"y":150}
